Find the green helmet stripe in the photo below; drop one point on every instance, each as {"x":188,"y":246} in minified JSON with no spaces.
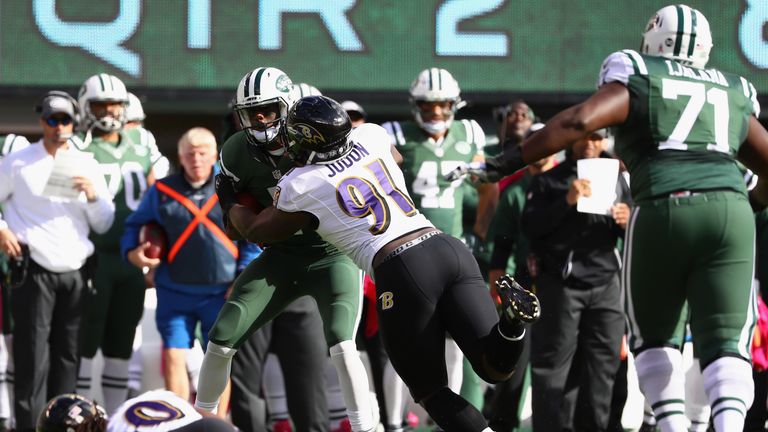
{"x":439,"y":80}
{"x":246,"y":82}
{"x":680,"y":25}
{"x":431,"y":85}
{"x":257,"y":82}
{"x":103,"y":84}
{"x":692,"y":41}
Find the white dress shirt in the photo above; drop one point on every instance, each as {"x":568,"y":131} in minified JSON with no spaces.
{"x":56,"y":229}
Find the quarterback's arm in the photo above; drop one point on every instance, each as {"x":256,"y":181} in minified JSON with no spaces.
{"x":270,"y":225}
{"x":754,"y":154}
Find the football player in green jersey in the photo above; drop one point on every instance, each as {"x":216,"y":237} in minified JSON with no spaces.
{"x":252,"y":160}
{"x":432,"y":145}
{"x":679,"y":128}
{"x":116,"y":303}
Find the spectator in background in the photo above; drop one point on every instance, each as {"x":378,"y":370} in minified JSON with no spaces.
{"x":200,"y":263}
{"x":134,"y":119}
{"x":509,"y":255}
{"x":575,"y":268}
{"x":115,"y":305}
{"x":355,"y":112}
{"x":45,"y":229}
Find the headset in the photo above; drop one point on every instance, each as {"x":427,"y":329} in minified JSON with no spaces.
{"x":60,"y":94}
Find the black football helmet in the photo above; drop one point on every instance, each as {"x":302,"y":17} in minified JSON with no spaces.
{"x":317,"y":131}
{"x":72,"y":413}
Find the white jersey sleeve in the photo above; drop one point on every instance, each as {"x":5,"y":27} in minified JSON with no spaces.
{"x":359,"y":200}
{"x":156,"y":411}
{"x":619,"y":66}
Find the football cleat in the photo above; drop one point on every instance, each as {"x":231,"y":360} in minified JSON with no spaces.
{"x":517,"y":302}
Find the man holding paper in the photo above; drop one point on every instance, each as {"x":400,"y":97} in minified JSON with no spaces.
{"x":573,"y":223}
{"x":52,"y":198}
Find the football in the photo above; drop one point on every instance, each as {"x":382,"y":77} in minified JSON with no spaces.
{"x":248,"y":200}
{"x":153,"y":233}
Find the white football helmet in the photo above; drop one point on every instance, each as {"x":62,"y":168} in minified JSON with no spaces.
{"x":134,"y":111}
{"x":102,"y":88}
{"x":259,"y":87}
{"x":678,"y":32}
{"x":435,"y":85}
{"x":301,"y":90}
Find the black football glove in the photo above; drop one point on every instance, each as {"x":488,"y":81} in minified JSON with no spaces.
{"x":225,"y":189}
{"x":502,"y":165}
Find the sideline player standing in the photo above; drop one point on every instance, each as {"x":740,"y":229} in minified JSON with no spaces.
{"x":115,"y":305}
{"x":678,"y":128}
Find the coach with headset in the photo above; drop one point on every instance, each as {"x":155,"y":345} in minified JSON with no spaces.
{"x":52,"y":199}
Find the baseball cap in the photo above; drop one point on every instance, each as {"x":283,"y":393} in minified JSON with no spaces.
{"x":352,"y":106}
{"x":55,"y":104}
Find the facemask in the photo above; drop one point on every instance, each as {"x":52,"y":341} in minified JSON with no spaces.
{"x":264,"y":136}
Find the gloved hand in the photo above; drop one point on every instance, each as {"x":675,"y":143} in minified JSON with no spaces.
{"x":225,"y":189}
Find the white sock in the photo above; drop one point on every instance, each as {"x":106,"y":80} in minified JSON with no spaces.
{"x":696,"y":402}
{"x":10,"y":378}
{"x":337,"y":410}
{"x":5,"y":402}
{"x":394,"y":396}
{"x":454,"y":363}
{"x":214,"y":375}
{"x":273,"y":385}
{"x":729,"y":386}
{"x":660,"y":373}
{"x":84,"y":376}
{"x":114,"y":383}
{"x":135,"y":364}
{"x":354,"y":385}
{"x":194,"y":362}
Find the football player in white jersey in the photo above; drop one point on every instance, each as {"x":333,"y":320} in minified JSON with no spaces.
{"x":161,"y":411}
{"x":348,"y":187}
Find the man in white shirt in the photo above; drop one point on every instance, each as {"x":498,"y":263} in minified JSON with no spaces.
{"x":44,"y":228}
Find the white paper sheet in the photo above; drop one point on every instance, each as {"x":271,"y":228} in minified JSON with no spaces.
{"x":602,"y":174}
{"x":68,"y":164}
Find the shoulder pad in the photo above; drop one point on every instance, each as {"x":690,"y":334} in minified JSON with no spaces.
{"x":620,"y":65}
{"x":751,"y":94}
{"x":395,"y":132}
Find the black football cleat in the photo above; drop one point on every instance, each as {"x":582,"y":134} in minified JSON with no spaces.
{"x":517,"y":302}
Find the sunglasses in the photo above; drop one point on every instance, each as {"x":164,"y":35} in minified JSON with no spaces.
{"x":55,"y":121}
